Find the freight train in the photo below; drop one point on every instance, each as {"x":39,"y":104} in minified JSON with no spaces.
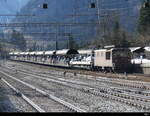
{"x":112,"y":59}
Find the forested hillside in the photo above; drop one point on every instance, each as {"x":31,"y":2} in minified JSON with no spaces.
{"x":64,"y":11}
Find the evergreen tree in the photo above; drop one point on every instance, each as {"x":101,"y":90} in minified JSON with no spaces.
{"x":72,"y":44}
{"x":17,"y":39}
{"x":119,"y":37}
{"x":115,"y":39}
{"x":110,"y":32}
{"x":124,"y":42}
{"x":144,"y":20}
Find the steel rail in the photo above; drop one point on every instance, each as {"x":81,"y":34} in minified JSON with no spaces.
{"x":66,"y":104}
{"x":124,"y":98}
{"x":31,"y":103}
{"x":124,"y":94}
{"x":142,"y":98}
{"x":134,"y":84}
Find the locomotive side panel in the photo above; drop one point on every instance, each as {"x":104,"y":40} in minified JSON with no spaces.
{"x":122,"y":60}
{"x":103,"y":58}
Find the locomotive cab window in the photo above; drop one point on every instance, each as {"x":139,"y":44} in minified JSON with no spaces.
{"x":108,"y":55}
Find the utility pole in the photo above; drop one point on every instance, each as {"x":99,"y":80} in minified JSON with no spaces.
{"x":56,"y":46}
{"x":98,"y":11}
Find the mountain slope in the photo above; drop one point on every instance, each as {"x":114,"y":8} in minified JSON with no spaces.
{"x":60,"y":10}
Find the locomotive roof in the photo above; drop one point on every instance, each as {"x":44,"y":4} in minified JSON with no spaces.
{"x":104,"y":49}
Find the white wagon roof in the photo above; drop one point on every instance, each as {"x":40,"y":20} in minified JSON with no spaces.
{"x":22,"y":53}
{"x":11,"y":53}
{"x":26,"y":53}
{"x":40,"y":53}
{"x":16,"y":53}
{"x":85,"y":51}
{"x":66,"y":51}
{"x":49,"y":52}
{"x":32,"y":53}
{"x":62,"y":52}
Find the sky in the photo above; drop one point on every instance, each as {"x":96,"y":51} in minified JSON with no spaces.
{"x":11,"y":6}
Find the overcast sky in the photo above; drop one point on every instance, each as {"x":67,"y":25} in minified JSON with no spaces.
{"x":11,"y":6}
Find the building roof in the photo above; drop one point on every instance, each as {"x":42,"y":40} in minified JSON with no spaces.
{"x":137,"y":49}
{"x":147,"y":49}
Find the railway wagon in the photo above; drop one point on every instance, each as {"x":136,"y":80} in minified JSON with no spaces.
{"x":39,"y":57}
{"x":56,"y":58}
{"x":115,"y":59}
{"x":49,"y":57}
{"x":16,"y":55}
{"x":11,"y":54}
{"x":83,"y":59}
{"x":22,"y":56}
{"x":26,"y":56}
{"x":32,"y":57}
{"x":63,"y":57}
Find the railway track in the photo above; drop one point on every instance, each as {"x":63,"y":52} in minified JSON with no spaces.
{"x":18,"y":93}
{"x":125,"y":84}
{"x":120,"y":82}
{"x":12,"y":101}
{"x":124,"y":97}
{"x":66,"y":106}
